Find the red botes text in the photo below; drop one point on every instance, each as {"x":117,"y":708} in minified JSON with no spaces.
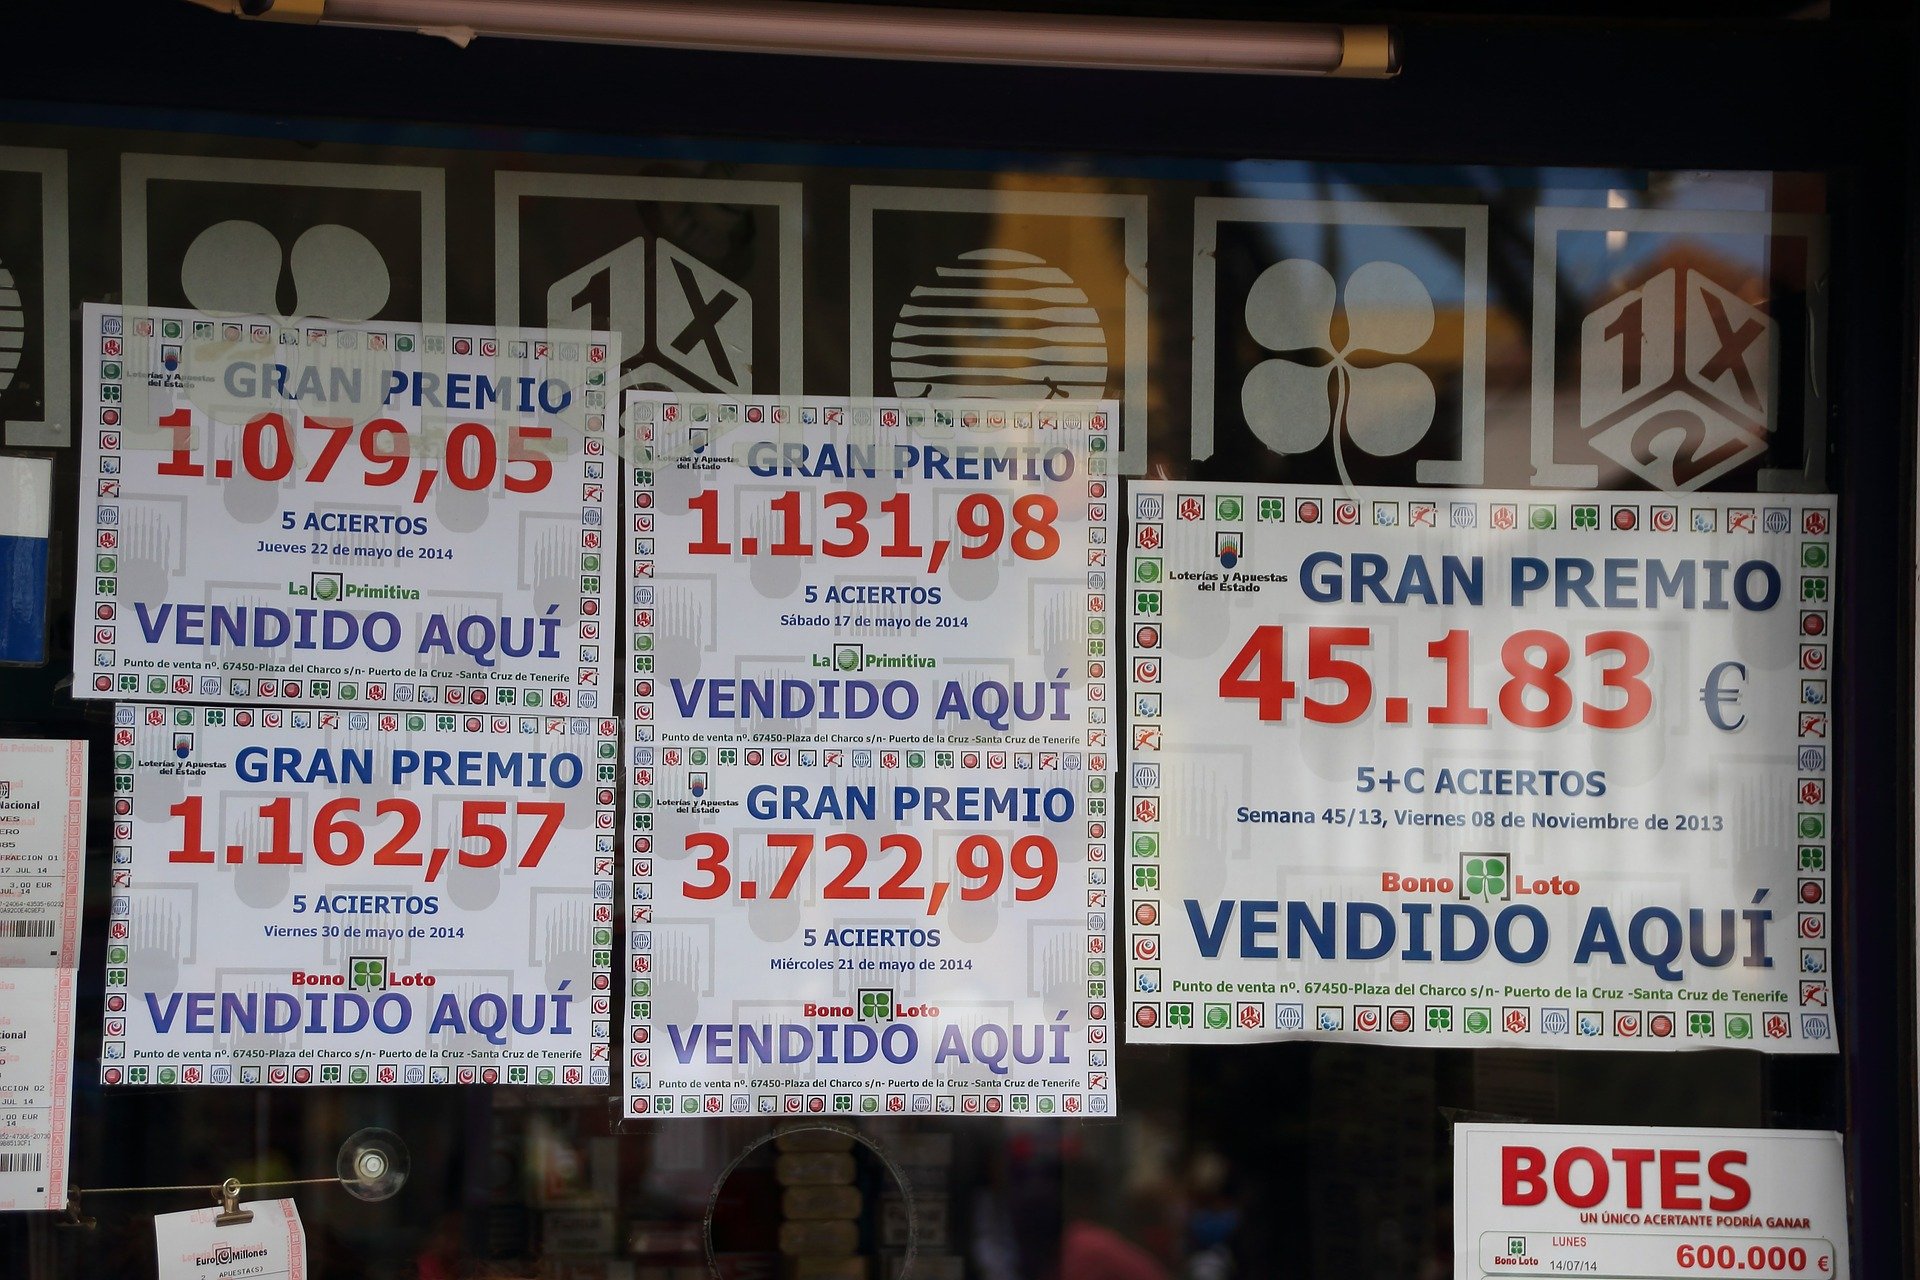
{"x":1581,"y":1177}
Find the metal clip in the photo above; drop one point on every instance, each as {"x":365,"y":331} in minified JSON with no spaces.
{"x":75,"y":1218}
{"x":231,"y":1214}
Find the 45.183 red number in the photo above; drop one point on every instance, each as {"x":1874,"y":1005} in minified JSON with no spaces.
{"x":1535,"y":695}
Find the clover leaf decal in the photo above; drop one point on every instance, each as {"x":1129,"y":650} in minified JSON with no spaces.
{"x":1312,"y":388}
{"x":1485,"y":878}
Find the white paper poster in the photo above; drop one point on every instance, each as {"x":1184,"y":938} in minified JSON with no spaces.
{"x":1648,"y":1203}
{"x":303,"y":512}
{"x":322,"y":896}
{"x":869,"y":786}
{"x":192,"y":1246}
{"x":43,"y":814}
{"x":1528,"y":769}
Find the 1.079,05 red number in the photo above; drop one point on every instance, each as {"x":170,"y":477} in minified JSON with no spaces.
{"x":469,"y":457}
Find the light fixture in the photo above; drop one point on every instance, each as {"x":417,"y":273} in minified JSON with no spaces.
{"x":809,"y":29}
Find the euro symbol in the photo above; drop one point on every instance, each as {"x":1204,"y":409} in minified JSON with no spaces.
{"x":1716,"y":698}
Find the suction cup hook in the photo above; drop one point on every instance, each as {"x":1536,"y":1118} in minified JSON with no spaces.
{"x":373,"y":1164}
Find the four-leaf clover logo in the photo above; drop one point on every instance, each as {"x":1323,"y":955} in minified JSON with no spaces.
{"x":1318,"y":384}
{"x":1484,"y":876}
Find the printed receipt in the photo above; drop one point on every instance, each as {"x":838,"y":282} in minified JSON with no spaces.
{"x":191,"y":1246}
{"x":43,"y":796}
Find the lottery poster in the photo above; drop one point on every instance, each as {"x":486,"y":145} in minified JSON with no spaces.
{"x":288,"y":512}
{"x":43,"y":813}
{"x":324,"y":896}
{"x":1485,"y":768}
{"x":869,"y":816}
{"x":1648,"y":1203}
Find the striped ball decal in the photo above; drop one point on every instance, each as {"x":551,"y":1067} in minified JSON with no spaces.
{"x":999,"y":322}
